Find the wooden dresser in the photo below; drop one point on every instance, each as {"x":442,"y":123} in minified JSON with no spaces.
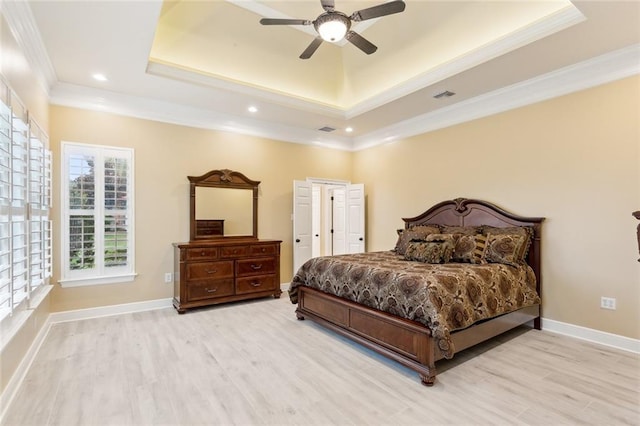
{"x":226,"y":270}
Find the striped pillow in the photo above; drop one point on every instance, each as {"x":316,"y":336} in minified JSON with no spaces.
{"x":469,"y":248}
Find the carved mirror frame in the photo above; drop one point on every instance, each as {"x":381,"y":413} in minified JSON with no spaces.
{"x":223,"y":178}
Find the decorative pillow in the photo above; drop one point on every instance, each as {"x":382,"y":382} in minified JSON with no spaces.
{"x":451,"y":238}
{"x":469,"y":249}
{"x":415,"y":233}
{"x":505,"y":248}
{"x":525,"y":231}
{"x":464,"y":230}
{"x":429,"y":251}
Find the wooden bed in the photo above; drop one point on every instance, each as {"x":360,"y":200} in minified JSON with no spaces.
{"x":411,"y":343}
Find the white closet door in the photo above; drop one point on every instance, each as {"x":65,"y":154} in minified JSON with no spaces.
{"x":302,"y":223}
{"x":316,"y":219}
{"x":355,"y":218}
{"x":339,"y":221}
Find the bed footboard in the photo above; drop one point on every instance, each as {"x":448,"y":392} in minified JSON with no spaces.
{"x":403,"y":341}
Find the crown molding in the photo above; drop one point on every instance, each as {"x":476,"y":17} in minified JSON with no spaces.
{"x":596,"y":71}
{"x":551,"y":24}
{"x":175,"y":72}
{"x":593,"y":72}
{"x":93,"y":99}
{"x":24,"y":29}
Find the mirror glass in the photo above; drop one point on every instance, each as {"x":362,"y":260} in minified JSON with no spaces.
{"x":223,"y":212}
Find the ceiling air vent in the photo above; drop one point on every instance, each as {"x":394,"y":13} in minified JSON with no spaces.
{"x":326,"y":129}
{"x":445,"y":94}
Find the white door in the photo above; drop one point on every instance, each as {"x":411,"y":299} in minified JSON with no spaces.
{"x":339,"y":221}
{"x":302,"y":223}
{"x":316,"y":220}
{"x":355,"y":218}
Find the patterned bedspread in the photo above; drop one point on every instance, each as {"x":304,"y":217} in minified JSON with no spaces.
{"x":444,"y":297}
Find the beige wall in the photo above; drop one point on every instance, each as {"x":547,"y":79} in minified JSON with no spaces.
{"x":165,"y":155}
{"x":574,"y":160}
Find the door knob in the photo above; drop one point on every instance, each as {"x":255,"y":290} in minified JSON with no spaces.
{"x":297,"y":240}
{"x":361,"y":239}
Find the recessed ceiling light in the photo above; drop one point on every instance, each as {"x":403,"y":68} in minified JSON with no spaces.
{"x":349,"y":129}
{"x":99,"y":77}
{"x":252,"y":109}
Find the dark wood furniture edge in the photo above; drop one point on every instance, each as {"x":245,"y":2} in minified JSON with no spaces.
{"x":636,"y":214}
{"x":337,"y":314}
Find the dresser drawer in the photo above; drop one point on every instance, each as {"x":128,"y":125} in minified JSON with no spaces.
{"x":257,"y":266}
{"x":209,"y":270}
{"x":207,"y":290}
{"x":255,"y":284}
{"x":203,"y":253}
{"x":233,"y":251}
{"x":266,"y":249}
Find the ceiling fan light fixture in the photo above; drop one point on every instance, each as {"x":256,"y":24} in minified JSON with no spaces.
{"x":332,"y":26}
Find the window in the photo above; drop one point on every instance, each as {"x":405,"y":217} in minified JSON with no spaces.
{"x":25,"y":201}
{"x":97,"y":215}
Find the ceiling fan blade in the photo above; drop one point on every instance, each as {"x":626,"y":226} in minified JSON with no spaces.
{"x":328,"y":5}
{"x":310,"y":50}
{"x":376,"y":11}
{"x":360,"y":42}
{"x":275,"y":21}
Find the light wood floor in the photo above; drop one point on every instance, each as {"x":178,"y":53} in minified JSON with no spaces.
{"x":254,"y":363}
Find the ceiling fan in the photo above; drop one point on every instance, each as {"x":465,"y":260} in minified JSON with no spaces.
{"x":333,"y":25}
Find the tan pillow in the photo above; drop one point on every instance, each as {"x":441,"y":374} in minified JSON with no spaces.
{"x":464,"y":230}
{"x":415,"y":233}
{"x":429,"y":251}
{"x":505,"y":248}
{"x":525,"y":231}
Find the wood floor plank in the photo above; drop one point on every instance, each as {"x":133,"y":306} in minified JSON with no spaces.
{"x":254,"y":363}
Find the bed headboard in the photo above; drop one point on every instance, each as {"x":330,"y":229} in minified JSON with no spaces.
{"x":467,"y":212}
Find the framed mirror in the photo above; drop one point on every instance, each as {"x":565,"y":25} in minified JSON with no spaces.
{"x":224,"y":204}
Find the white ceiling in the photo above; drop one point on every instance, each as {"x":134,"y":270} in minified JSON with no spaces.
{"x":203,"y":63}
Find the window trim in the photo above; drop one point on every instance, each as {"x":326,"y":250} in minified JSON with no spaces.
{"x":98,"y":275}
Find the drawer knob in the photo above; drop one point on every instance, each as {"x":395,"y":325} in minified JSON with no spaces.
{"x":256,"y":267}
{"x":212,"y":271}
{"x":255,"y":283}
{"x":264,"y":249}
{"x":211,"y":290}
{"x":203,"y":253}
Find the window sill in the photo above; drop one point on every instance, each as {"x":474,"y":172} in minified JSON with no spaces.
{"x":86,"y":281}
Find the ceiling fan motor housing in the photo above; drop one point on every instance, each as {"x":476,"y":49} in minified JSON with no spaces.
{"x":332,"y":17}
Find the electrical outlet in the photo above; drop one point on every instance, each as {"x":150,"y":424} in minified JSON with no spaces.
{"x":608,"y":303}
{"x":168,"y":277}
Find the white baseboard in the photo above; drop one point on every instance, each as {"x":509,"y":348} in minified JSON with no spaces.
{"x":105,"y":311}
{"x":18,"y":376}
{"x":591,"y":335}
